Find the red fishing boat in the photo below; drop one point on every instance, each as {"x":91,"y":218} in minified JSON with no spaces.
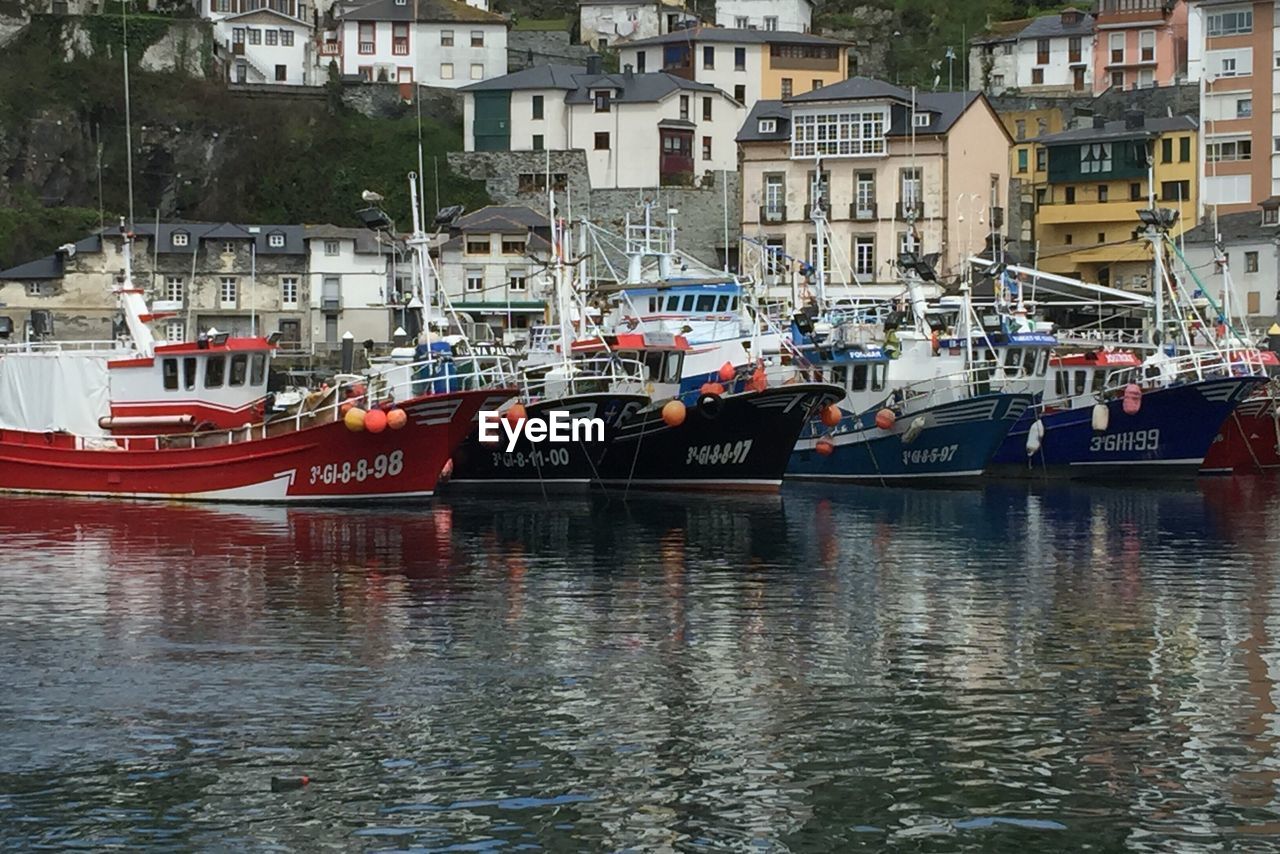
{"x":1248,"y":442}
{"x":140,"y":419}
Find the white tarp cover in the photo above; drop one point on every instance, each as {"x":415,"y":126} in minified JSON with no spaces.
{"x":54,"y":391}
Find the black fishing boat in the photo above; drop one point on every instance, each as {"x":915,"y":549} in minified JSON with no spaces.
{"x":545,"y":466}
{"x":740,"y":441}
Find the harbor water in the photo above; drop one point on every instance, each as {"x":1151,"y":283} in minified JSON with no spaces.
{"x":1012,"y":668}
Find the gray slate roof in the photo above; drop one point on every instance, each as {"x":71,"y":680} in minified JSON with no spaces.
{"x":732,"y":36}
{"x":502,"y":218}
{"x":50,"y":266}
{"x":198,"y":231}
{"x":1243,"y":227}
{"x":536,"y":77}
{"x":578,"y":84}
{"x":1118,"y":130}
{"x":1051,"y":26}
{"x":366,"y":240}
{"x":944,"y":108}
{"x":855,"y":88}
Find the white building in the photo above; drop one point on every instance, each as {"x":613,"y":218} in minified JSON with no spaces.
{"x":794,"y":16}
{"x":267,"y":46}
{"x":1251,"y":240}
{"x":491,"y":268}
{"x":748,"y":64}
{"x":1051,"y":54}
{"x":602,"y":23}
{"x":449,"y":44}
{"x":638,"y":130}
{"x":354,"y":283}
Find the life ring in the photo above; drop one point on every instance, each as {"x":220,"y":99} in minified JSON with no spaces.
{"x":710,"y":406}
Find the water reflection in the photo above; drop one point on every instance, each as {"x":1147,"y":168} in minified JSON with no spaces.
{"x":833,"y":668}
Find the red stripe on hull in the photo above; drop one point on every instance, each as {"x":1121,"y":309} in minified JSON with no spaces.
{"x":324,"y":462}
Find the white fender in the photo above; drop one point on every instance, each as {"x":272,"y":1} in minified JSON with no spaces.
{"x":1035,"y":437}
{"x":914,"y":430}
{"x":1101,"y":417}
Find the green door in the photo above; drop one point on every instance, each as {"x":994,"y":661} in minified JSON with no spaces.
{"x":493,"y":121}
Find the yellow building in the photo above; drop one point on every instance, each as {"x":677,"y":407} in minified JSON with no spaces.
{"x":749,"y":65}
{"x":1088,"y":185}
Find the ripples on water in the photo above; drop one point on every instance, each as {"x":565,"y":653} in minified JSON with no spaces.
{"x":836,"y":668}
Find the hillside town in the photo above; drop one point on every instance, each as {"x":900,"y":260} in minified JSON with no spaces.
{"x":1040,"y":141}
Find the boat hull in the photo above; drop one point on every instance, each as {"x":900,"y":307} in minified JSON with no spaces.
{"x":324,"y":462}
{"x":560,"y":467}
{"x":954,"y":443}
{"x":1248,"y":442}
{"x":1167,"y":437}
{"x":744,"y":446}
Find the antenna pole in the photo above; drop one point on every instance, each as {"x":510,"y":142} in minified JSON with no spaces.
{"x":128,"y":124}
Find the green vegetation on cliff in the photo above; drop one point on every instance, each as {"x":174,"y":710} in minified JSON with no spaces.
{"x":200,"y":151}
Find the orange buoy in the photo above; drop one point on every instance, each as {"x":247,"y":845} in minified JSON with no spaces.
{"x":825,"y":447}
{"x":831,"y":415}
{"x":711,"y":388}
{"x":673,"y":413}
{"x":515,"y":414}
{"x":346,"y":407}
{"x":726,"y":372}
{"x":354,"y":419}
{"x":885,"y":418}
{"x":397,"y":418}
{"x":375,"y":421}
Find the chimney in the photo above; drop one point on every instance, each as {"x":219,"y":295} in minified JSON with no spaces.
{"x":1099,"y":122}
{"x":628,"y":70}
{"x":1134,"y":119}
{"x":595,"y":65}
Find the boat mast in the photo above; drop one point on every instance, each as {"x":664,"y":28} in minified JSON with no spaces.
{"x":818,"y":215}
{"x":418,"y":241}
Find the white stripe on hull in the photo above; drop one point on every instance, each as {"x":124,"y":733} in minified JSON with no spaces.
{"x":877,"y":478}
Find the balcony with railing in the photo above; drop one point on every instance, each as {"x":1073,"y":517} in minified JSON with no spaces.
{"x":773,"y":213}
{"x":1133,"y":11}
{"x":863,"y":211}
{"x":909,"y":209}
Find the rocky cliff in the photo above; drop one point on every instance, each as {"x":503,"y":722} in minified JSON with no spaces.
{"x":200,"y":151}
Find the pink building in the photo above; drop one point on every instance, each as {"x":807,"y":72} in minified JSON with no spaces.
{"x":1140,"y":44}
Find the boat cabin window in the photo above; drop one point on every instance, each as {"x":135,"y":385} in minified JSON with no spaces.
{"x":239,"y":368}
{"x":215,"y":368}
{"x":877,"y":377}
{"x":1061,"y":383}
{"x":689,"y":301}
{"x":1099,"y":379}
{"x":259,"y":370}
{"x":1012,"y":357}
{"x":653,"y":365}
{"x":189,"y":365}
{"x":675,"y":361}
{"x":170,"y":374}
{"x":673,"y":303}
{"x":706,"y":303}
{"x":859,"y":378}
{"x":1082,"y":381}
{"x":722,"y":303}
{"x":1029,"y":359}
{"x":840,"y":376}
